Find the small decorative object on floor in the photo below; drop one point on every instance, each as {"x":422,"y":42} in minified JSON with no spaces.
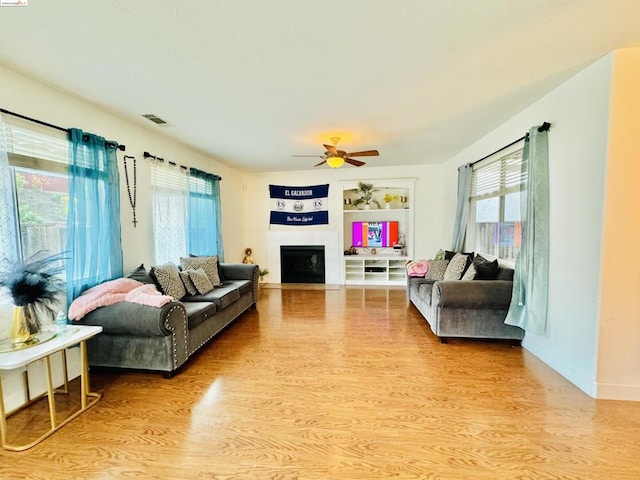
{"x":132,"y":196}
{"x":247,"y":256}
{"x":34,"y":286}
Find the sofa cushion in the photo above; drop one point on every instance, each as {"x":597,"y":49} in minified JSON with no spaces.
{"x":485,"y":270}
{"x":208,"y":264}
{"x":200,"y":280}
{"x":188,"y":283}
{"x":167,"y":278}
{"x":436,"y":269}
{"x":222,"y":296}
{"x":198,"y":312}
{"x":244,"y":286}
{"x":456,"y":268}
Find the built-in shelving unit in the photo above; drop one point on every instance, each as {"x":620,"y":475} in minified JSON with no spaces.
{"x":379,"y":265}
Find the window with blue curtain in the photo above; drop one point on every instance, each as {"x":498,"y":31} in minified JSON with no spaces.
{"x":187,"y":216}
{"x":94,"y":242}
{"x":205,"y":234}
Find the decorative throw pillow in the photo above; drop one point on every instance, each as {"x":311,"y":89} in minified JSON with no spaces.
{"x":220,"y":272}
{"x":201,"y":280}
{"x":167,"y":277}
{"x":436,"y":269}
{"x":470,"y":274}
{"x":417,"y":268}
{"x":457,"y":265}
{"x":485,"y":270}
{"x":140,"y":274}
{"x":208,"y":264}
{"x":439,"y":255}
{"x":187,"y":282}
{"x":448,"y":255}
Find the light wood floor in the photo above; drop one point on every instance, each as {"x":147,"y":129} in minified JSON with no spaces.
{"x":343,"y":383}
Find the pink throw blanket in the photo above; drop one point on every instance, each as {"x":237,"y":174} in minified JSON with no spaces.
{"x":147,"y":294}
{"x":114,"y":291}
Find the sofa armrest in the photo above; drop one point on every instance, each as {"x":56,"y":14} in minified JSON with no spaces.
{"x":126,"y":318}
{"x":474,"y":294}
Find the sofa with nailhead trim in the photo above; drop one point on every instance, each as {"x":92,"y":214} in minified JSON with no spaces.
{"x":162,"y":339}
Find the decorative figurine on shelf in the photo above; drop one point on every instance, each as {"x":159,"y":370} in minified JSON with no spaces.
{"x":247,"y":256}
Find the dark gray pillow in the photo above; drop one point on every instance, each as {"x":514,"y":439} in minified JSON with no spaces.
{"x":140,"y":274}
{"x":485,"y":270}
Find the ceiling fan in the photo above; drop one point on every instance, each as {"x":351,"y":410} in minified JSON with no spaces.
{"x":336,"y":158}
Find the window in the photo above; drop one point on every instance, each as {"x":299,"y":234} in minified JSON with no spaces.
{"x":42,"y":201}
{"x":170,"y":187}
{"x":185,"y":212}
{"x":495,"y":226}
{"x":38,"y":164}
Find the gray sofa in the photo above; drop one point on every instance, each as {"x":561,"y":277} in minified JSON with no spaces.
{"x":162,"y":339}
{"x":466,"y":308}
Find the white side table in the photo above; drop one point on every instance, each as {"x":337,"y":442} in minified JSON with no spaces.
{"x":73,"y":335}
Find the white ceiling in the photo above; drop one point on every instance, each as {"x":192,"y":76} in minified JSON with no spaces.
{"x":252,"y":82}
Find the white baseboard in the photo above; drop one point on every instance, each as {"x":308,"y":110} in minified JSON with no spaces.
{"x":614,"y":391}
{"x":579,"y":378}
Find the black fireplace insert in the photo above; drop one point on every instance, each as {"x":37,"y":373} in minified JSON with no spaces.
{"x":302,"y":264}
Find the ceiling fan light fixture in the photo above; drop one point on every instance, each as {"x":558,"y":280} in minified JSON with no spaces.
{"x":335,"y":162}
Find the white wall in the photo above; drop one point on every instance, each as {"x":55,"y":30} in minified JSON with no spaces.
{"x":579,"y":113}
{"x":619,"y":333}
{"x":428,"y":235}
{"x":28,"y":97}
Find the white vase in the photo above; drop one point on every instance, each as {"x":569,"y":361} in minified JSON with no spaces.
{"x":387,"y":206}
{"x":367,"y":206}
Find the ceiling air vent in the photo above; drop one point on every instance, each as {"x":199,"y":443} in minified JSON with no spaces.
{"x":156,"y":119}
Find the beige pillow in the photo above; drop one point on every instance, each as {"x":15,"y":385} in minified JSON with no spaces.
{"x":168,"y":279}
{"x":436,"y":269}
{"x":201,"y":280}
{"x":208,"y":264}
{"x":456,"y":267}
{"x":188,"y":283}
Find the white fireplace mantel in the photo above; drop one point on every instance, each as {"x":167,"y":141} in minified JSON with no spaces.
{"x":327,"y":238}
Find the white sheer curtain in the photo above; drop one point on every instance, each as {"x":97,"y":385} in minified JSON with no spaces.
{"x":9,"y":245}
{"x":170,"y":193}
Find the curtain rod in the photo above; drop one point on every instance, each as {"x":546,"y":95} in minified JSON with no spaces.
{"x":174,"y":164}
{"x":542,"y":128}
{"x":50,"y":125}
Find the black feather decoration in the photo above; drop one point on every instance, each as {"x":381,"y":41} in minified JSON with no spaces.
{"x":35,"y":284}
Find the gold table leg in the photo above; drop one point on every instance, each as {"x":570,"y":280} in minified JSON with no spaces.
{"x":87,"y":400}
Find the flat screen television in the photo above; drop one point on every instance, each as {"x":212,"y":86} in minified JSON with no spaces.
{"x":374,"y":234}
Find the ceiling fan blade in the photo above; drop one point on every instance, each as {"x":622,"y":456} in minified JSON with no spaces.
{"x":355,"y":163}
{"x":321,"y":163}
{"x":331,"y":149}
{"x":315,"y":156}
{"x":366,"y":153}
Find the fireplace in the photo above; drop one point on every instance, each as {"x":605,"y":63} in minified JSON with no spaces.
{"x":302,"y":264}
